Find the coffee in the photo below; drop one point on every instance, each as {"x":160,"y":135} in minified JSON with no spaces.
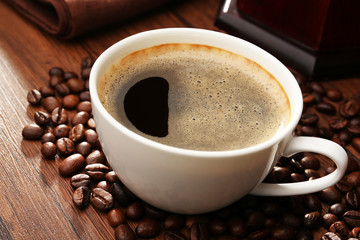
{"x":204,"y":97}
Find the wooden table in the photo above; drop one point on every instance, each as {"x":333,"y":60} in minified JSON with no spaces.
{"x":35,"y":202}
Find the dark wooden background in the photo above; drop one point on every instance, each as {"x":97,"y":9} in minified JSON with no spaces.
{"x":35,"y":202}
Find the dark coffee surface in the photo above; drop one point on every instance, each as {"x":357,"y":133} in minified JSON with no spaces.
{"x":217,"y":100}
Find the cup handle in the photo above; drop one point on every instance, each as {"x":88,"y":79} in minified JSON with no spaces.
{"x":308,"y":144}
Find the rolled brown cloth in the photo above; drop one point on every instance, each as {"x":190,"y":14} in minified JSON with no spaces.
{"x":69,"y":18}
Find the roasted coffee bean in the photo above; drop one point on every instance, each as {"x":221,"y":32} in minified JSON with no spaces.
{"x":338,"y":123}
{"x":155,"y":213}
{"x":256,"y":220}
{"x":85,"y":96}
{"x":86,"y":62}
{"x":81,"y":197}
{"x":48,"y":137}
{"x":304,"y":234}
{"x":34,"y":97}
{"x":296,"y":167}
{"x":309,"y":119}
{"x":259,"y":234}
{"x":354,"y":121}
{"x":71,"y":165}
{"x":310,"y":162}
{"x":325,"y":132}
{"x":334,"y":94}
{"x":271,"y":209}
{"x":62,"y":89}
{"x":41,"y":118}
{"x":326,"y":108}
{"x":237,"y":226}
{"x":124,"y":232}
{"x":330,"y":169}
{"x":101,"y":199}
{"x":308,"y":98}
{"x":70,"y":101}
{"x":65,"y":146}
{"x":312,"y":219}
{"x":104,"y":185}
{"x":309,"y":131}
{"x":84,"y":106}
{"x":352,"y":218}
{"x":32,"y":132}
{"x":353,"y":178}
{"x":86,"y":85}
{"x":97,"y":171}
{"x":312,"y":203}
{"x":121,"y":194}
{"x":55,"y":80}
{"x":111,"y":177}
{"x":91,"y":137}
{"x":48,"y":150}
{"x":356,"y":143}
{"x":84,"y":148}
{"x":345,"y":136}
{"x":91,"y":123}
{"x":75,"y":85}
{"x":330,"y":236}
{"x":343,"y":186}
{"x":296,"y":205}
{"x":311,"y":173}
{"x":198,"y":231}
{"x":318,"y":87}
{"x":46,"y":91}
{"x":329,"y":219}
{"x":68,"y":75}
{"x":340,"y":228}
{"x":353,"y":199}
{"x":61,"y":131}
{"x":135,"y":211}
{"x":349,"y":108}
{"x":296,"y":177}
{"x":59,"y":116}
{"x":352,"y":166}
{"x":177,"y":222}
{"x":330,"y":195}
{"x":338,"y":209}
{"x":80,"y":117}
{"x":355,"y":232}
{"x":79,"y":180}
{"x":58,"y":71}
{"x":116,"y":217}
{"x":50,"y":103}
{"x":281,"y":174}
{"x":147,"y":228}
{"x":96,"y":156}
{"x":291,"y":220}
{"x":174,"y":235}
{"x":85,"y":73}
{"x":283,"y":232}
{"x":77,"y":133}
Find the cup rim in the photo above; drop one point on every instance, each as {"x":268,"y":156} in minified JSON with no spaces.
{"x":103,"y":59}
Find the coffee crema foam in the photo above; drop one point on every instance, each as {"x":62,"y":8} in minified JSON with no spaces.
{"x":217,"y":100}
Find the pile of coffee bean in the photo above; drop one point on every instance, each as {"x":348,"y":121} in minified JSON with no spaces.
{"x":67,"y":132}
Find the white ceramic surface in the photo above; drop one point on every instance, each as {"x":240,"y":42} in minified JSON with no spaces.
{"x":191,"y":182}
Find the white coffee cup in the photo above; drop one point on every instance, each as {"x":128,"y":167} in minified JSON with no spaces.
{"x":192,"y":182}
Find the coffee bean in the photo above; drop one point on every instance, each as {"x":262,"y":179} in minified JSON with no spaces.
{"x":356,"y":143}
{"x":120,"y":193}
{"x":104,"y":185}
{"x":81,"y":197}
{"x":91,"y":123}
{"x":50,"y":103}
{"x":84,"y":106}
{"x":86,"y":62}
{"x":330,"y":195}
{"x":312,"y":219}
{"x":174,"y":235}
{"x":353,"y":199}
{"x":304,"y":234}
{"x":198,"y":231}
{"x":97,"y":171}
{"x":80,"y":117}
{"x":281,"y":174}
{"x":338,"y":209}
{"x":147,"y":228}
{"x":345,"y":136}
{"x":176,"y":222}
{"x":135,"y":211}
{"x":329,"y":219}
{"x":308,"y":98}
{"x":68,"y":75}
{"x":259,"y":234}
{"x":48,"y":150}
{"x":101,"y":199}
{"x":330,"y":236}
{"x":309,"y":119}
{"x":124,"y":232}
{"x":340,"y":228}
{"x":355,"y":232}
{"x":75,"y":85}
{"x":62,"y":89}
{"x":318,"y":87}
{"x":334,"y":94}
{"x":311,"y":173}
{"x":325,"y":132}
{"x":312,"y":203}
{"x":85,"y":73}
{"x":111,"y":177}
{"x":84,"y":148}
{"x":338,"y":123}
{"x":354,"y":129}
{"x":65,"y":146}
{"x":326,"y":108}
{"x":296,"y":177}
{"x":70,"y":101}
{"x":71,"y":165}
{"x":58,"y":71}
{"x":343,"y":186}
{"x":96,"y":156}
{"x":349,"y":108}
{"x":256,"y":220}
{"x":61,"y":131}
{"x":309,"y":131}
{"x":353,"y":178}
{"x":237,"y":226}
{"x":55,"y":80}
{"x":283,"y":232}
{"x":79,"y":180}
{"x":34,"y":97}
{"x":291,"y":220}
{"x":85,"y":96}
{"x":116,"y":217}
{"x":310,"y":162}
{"x":352,"y":218}
{"x":48,"y":137}
{"x":46,"y":91}
{"x":32,"y":132}
{"x":59,"y":116}
{"x":77,"y":133}
{"x":41,"y":118}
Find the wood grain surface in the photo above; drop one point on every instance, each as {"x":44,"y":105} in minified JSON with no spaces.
{"x":35,"y":202}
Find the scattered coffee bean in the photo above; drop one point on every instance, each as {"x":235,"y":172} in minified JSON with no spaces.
{"x":343,"y":186}
{"x":70,"y":101}
{"x":71,"y":165}
{"x":353,"y":199}
{"x":147,"y":228}
{"x":120,"y":194}
{"x":55,"y":80}
{"x":309,"y":131}
{"x":77,"y":133}
{"x":46,"y":91}
{"x":41,"y":118}
{"x":80,"y":117}
{"x":85,"y":96}
{"x":308,"y":98}
{"x":198,"y":231}
{"x":330,"y":236}
{"x":59,"y":116}
{"x":353,"y":178}
{"x":310,"y":162}
{"x":48,"y":137}
{"x":135,"y":211}
{"x":111,"y":177}
{"x":85,"y":73}
{"x":56,"y":71}
{"x":338,"y":123}
{"x":309,"y":119}
{"x":79,"y":180}
{"x":65,"y":146}
{"x":91,"y":137}
{"x":329,"y":219}
{"x":312,"y":219}
{"x":97,"y":171}
{"x":81,"y":197}
{"x":330,"y":195}
{"x":216,"y":226}
{"x":355,"y":232}
{"x":174,"y":235}
{"x":349,"y":108}
{"x":352,"y":218}
{"x":356,"y":143}
{"x":34,"y":97}
{"x":312,"y":203}
{"x":124,"y":232}
{"x":48,"y":150}
{"x":283,"y":232}
{"x":50,"y":103}
{"x":334,"y":94}
{"x":84,"y":148}
{"x":101,"y":199}
{"x":318,"y":87}
{"x":91,"y":123}
{"x":104,"y":185}
{"x":32,"y":132}
{"x":116,"y":217}
{"x":326,"y":108}
{"x":75,"y":85}
{"x":68,"y":75}
{"x":338,"y":209}
{"x":62,"y":89}
{"x":177,"y":222}
{"x":61,"y":131}
{"x":340,"y":228}
{"x":96,"y":156}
